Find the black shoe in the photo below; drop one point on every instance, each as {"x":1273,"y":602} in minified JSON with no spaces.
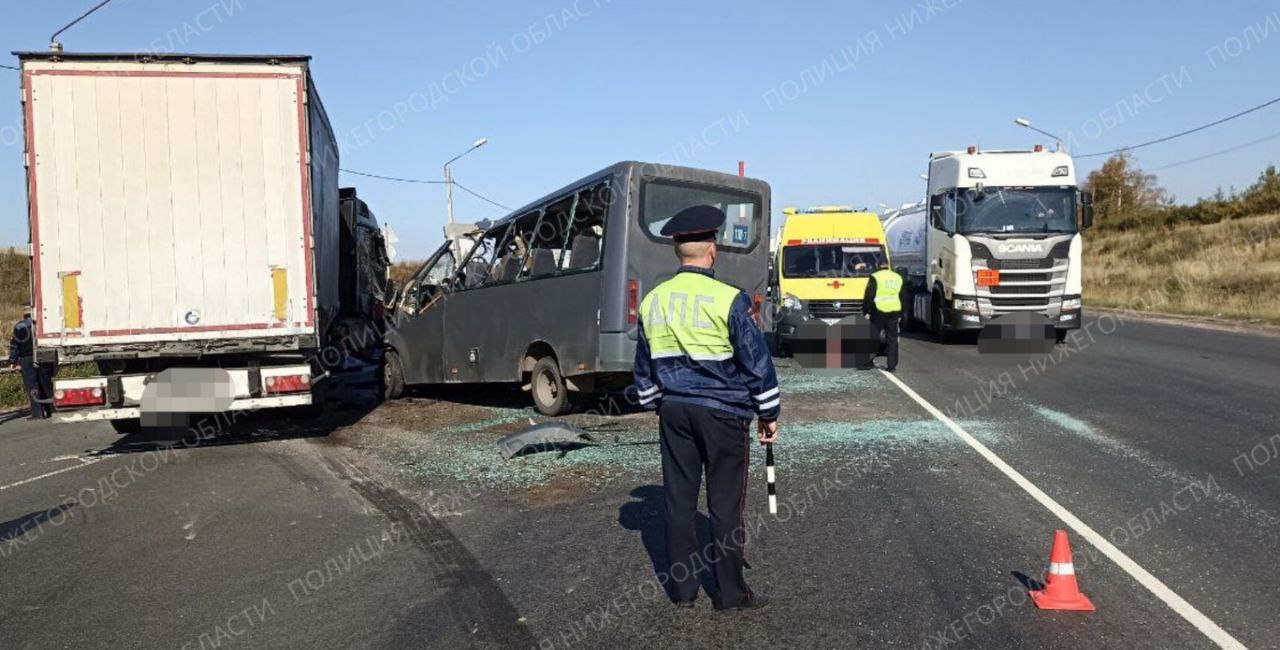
{"x":893,"y":369}
{"x":754,"y":601}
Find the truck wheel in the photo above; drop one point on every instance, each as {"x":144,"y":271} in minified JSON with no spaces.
{"x":131,"y":425}
{"x":550,"y":395}
{"x":392,"y":376}
{"x":937,"y":320}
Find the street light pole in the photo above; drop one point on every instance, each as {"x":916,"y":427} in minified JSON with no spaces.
{"x":448,"y":176}
{"x":1022,"y":121}
{"x":448,"y":191}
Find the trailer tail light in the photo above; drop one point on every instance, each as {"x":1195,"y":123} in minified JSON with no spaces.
{"x":756,"y":302}
{"x":286,"y":384}
{"x":633,"y":302}
{"x":70,"y":398}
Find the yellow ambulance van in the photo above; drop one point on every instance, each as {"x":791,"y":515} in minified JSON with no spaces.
{"x":824,"y":257}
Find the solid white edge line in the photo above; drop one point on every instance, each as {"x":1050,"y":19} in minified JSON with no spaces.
{"x":84,"y":462}
{"x":1153,"y":584}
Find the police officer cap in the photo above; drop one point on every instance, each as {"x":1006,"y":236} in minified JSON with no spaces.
{"x":699,"y":223}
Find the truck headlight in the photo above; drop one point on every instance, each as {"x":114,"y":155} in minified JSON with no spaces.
{"x":1071,"y":304}
{"x":791,"y":303}
{"x":966,"y":304}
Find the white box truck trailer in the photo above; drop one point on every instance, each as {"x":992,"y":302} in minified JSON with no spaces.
{"x":184,"y":226}
{"x":999,"y":233}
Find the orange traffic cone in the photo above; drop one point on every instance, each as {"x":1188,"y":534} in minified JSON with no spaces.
{"x":1060,"y":588}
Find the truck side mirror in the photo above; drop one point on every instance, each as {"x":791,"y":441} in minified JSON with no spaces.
{"x":1086,"y":210}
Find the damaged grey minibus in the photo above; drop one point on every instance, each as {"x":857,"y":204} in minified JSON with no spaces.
{"x":548,"y":295}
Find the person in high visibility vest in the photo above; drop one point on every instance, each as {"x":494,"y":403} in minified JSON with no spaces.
{"x":882,"y":302}
{"x":704,"y":366}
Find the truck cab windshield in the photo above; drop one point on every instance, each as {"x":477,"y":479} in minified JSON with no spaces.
{"x":831,"y":261}
{"x":1021,"y":210}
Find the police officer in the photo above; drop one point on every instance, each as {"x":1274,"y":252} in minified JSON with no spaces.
{"x":704,"y":366}
{"x":882,"y":302}
{"x":22,"y":358}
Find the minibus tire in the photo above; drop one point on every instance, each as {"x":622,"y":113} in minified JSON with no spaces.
{"x":550,"y":394}
{"x":392,"y":376}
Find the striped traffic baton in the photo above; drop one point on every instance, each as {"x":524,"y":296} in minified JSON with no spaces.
{"x":770,"y":476}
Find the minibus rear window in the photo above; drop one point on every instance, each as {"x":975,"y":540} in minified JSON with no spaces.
{"x":662,"y":199}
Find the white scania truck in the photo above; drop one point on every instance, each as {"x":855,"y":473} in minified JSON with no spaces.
{"x":998,"y":233}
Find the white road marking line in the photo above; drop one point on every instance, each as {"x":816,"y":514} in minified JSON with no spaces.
{"x":84,"y":462}
{"x":1153,"y":584}
{"x":56,"y":459}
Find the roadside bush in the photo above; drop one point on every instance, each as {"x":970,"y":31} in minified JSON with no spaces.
{"x":1263,"y":197}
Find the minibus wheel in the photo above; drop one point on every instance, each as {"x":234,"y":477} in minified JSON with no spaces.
{"x":392,"y":376}
{"x":550,"y":395}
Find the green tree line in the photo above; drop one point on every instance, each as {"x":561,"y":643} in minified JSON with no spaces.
{"x":1125,"y":198}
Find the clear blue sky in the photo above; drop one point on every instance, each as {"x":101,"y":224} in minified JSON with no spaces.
{"x":642,"y":79}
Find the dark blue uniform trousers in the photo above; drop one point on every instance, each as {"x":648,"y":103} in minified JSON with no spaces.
{"x":697,"y":438}
{"x":36,"y":385}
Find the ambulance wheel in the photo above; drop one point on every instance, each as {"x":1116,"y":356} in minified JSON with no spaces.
{"x":392,"y":376}
{"x":550,"y":395}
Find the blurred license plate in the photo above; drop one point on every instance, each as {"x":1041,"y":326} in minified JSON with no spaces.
{"x":188,"y":390}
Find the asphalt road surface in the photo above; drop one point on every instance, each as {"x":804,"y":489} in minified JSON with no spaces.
{"x":1153,"y":444}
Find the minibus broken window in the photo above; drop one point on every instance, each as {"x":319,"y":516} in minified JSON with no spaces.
{"x":548,"y":239}
{"x":476,"y":269}
{"x":586,"y":232}
{"x":513,"y":250}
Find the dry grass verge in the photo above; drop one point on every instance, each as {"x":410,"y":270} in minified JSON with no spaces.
{"x":1229,"y":269}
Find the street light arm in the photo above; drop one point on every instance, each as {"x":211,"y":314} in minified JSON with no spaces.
{"x":1021,"y":121}
{"x":1043,"y":132}
{"x":448,"y":178}
{"x":479,"y":143}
